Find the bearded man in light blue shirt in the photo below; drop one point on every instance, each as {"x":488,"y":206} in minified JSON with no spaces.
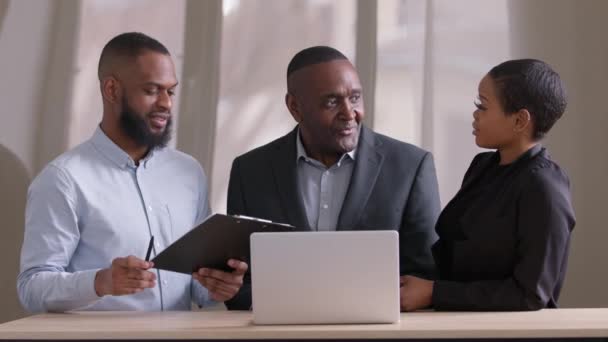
{"x":91,"y":212}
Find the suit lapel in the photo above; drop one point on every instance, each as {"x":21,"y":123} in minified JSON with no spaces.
{"x":368,"y":162}
{"x":284,"y":169}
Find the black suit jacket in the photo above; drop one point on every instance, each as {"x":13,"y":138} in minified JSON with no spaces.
{"x":393,"y":186}
{"x":513,"y":249}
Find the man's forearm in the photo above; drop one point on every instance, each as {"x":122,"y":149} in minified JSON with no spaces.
{"x":51,"y":290}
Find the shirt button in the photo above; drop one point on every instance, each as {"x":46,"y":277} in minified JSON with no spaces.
{"x":149,"y":208}
{"x":157,"y":245}
{"x":325,"y":206}
{"x":165,"y":282}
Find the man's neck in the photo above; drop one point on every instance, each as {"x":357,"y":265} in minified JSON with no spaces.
{"x":328,"y":159}
{"x":310,"y":151}
{"x":125,"y":143}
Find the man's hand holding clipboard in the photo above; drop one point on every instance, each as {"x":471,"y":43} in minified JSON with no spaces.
{"x":222,"y":285}
{"x":216,"y":252}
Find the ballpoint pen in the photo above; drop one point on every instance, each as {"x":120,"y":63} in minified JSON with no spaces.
{"x":150,"y":248}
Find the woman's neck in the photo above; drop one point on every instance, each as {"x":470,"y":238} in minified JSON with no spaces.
{"x":510,"y":153}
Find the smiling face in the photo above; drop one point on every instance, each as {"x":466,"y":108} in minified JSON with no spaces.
{"x":492,"y":127}
{"x":147,"y":99}
{"x":326,"y":100}
{"x":144,"y":129}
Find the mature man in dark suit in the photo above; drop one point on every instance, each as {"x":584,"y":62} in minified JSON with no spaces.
{"x":332,"y":173}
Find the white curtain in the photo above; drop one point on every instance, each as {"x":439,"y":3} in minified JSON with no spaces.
{"x":432,"y":55}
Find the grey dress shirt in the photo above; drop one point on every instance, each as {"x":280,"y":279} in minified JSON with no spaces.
{"x":323,"y":189}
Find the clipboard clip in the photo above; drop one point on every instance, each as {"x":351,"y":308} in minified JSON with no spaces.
{"x":251,"y":218}
{"x":244,"y":217}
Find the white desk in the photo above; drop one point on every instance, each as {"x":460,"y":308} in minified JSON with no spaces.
{"x":557,"y":323}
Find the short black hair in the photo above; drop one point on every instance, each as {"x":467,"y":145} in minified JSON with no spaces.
{"x":533,"y":85}
{"x":128,"y":45}
{"x":313,"y":55}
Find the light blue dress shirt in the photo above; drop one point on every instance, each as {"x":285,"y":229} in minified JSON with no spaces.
{"x":323,"y":189}
{"x":93,"y":204}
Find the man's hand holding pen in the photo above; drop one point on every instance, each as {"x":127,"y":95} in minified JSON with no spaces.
{"x":130,"y":275}
{"x":127,"y":275}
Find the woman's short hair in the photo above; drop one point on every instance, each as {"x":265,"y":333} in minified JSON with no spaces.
{"x":533,"y":85}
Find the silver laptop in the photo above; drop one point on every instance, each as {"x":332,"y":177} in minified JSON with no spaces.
{"x":325,"y":277}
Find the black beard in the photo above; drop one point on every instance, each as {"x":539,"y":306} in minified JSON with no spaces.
{"x":136,"y":128}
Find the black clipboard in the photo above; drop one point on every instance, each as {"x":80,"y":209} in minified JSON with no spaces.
{"x":213,"y":242}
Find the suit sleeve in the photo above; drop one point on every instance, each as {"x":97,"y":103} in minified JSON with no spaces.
{"x":417,"y":232}
{"x":236,"y":202}
{"x":236,"y":206}
{"x":545,"y":220}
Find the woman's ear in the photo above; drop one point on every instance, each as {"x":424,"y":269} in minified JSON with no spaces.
{"x":523,"y":121}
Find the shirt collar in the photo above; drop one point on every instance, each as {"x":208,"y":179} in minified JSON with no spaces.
{"x":116,"y":154}
{"x":301,"y":151}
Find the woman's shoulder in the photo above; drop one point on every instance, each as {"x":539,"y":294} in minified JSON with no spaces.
{"x":542,"y":168}
{"x":542,"y":165}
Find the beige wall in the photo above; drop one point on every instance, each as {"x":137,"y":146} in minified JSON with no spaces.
{"x":23,"y":34}
{"x":571,"y":35}
{"x":13,"y":182}
{"x":24,"y":46}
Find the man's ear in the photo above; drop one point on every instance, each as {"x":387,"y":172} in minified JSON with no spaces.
{"x":523,"y":120}
{"x":292,"y":106}
{"x":111,"y":89}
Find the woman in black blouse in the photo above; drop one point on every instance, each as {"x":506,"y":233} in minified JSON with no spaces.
{"x":503,"y":239}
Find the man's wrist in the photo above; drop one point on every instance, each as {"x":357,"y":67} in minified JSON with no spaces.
{"x":102,"y":277}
